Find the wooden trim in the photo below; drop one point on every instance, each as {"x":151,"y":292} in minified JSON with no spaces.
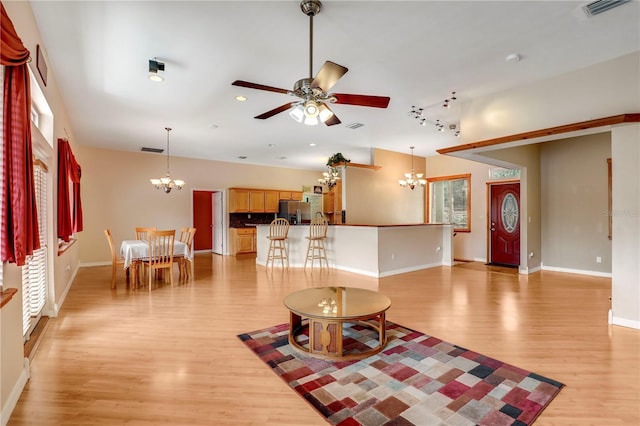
{"x":610,"y":196}
{"x":467,"y":177}
{"x":362,"y":166}
{"x":41,"y":164}
{"x":64,"y":246}
{"x":7,"y":295}
{"x":558,"y":130}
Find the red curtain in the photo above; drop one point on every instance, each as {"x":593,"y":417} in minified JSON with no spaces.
{"x":20,"y":235}
{"x":69,"y":221}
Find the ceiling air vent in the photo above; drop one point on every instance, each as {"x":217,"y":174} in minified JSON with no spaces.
{"x":600,"y":6}
{"x":354,"y":125}
{"x":147,"y":149}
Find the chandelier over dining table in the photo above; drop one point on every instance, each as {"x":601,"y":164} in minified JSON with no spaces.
{"x":166,"y":183}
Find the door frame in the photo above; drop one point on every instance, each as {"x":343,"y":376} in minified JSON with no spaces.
{"x":225,"y":219}
{"x":489,"y":184}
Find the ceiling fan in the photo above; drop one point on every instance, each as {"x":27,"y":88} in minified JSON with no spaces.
{"x":312,"y":107}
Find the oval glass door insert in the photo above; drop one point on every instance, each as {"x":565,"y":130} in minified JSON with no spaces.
{"x":510,"y":212}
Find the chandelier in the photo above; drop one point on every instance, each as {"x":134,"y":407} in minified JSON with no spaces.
{"x":412,"y":179}
{"x":330,"y":178}
{"x":166,"y":183}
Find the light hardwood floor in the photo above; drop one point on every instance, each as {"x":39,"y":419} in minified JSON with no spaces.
{"x":172,"y":356}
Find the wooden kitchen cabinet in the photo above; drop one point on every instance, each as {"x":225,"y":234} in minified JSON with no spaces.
{"x":271,"y":201}
{"x":243,"y":240}
{"x":246,"y":200}
{"x":256,"y":201}
{"x":238,"y":200}
{"x":327,"y":203}
{"x":291,"y":195}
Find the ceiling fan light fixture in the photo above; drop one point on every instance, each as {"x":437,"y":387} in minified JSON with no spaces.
{"x":311,"y":109}
{"x":325,"y":112}
{"x":297,"y":113}
{"x":311,"y":121}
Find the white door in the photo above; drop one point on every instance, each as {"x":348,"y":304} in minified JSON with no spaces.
{"x":218,"y":226}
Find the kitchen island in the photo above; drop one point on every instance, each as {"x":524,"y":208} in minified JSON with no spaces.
{"x":372,"y":250}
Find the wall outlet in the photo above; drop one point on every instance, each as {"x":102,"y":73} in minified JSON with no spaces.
{"x":530,"y":255}
{"x":438,"y":249}
{"x":598,"y":259}
{"x":67,"y":268}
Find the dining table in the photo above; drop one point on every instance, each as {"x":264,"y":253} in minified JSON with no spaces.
{"x":135,"y":251}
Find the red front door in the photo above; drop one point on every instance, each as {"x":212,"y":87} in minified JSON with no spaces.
{"x":505,"y":224}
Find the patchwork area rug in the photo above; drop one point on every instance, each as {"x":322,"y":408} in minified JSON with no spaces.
{"x":417,"y":380}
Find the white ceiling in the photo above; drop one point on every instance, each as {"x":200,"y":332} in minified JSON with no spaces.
{"x":415,"y":52}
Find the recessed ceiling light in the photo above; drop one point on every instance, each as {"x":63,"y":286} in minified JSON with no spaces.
{"x":283,"y":158}
{"x":241,"y":98}
{"x":513,"y":57}
{"x":272,"y":145}
{"x":242,"y":157}
{"x":312,"y":144}
{"x":155,"y":77}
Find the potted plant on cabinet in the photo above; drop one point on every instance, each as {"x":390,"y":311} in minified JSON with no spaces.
{"x":337,"y":159}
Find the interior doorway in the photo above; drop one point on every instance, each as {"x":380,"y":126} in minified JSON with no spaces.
{"x":504,"y":223}
{"x":208,"y":219}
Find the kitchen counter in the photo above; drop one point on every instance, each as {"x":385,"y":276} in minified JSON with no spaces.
{"x":372,"y":250}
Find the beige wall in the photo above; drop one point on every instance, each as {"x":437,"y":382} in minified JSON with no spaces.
{"x":625,"y":301}
{"x":117,"y":194}
{"x":574,"y":203}
{"x":467,"y":245}
{"x":375,"y":197}
{"x":602,"y":90}
{"x":13,"y":372}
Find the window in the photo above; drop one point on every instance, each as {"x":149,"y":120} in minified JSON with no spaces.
{"x":449,"y":201}
{"x":34,"y":272}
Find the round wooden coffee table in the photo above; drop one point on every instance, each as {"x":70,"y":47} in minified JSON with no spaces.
{"x":326,"y":309}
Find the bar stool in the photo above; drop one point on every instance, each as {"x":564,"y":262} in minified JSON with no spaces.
{"x":278,"y":231}
{"x":317,"y":237}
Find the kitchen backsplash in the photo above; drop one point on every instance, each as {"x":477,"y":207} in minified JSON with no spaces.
{"x":242,"y":220}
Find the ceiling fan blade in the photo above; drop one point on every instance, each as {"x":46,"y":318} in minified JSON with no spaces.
{"x":275,"y":111}
{"x":331,"y":121}
{"x":328,"y":75}
{"x":242,"y":83}
{"x":362,"y":100}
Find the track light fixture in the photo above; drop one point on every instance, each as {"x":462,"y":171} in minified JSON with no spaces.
{"x":419,"y":113}
{"x":154,"y":67}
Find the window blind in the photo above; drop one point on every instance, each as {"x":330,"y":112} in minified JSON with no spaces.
{"x":34,"y":272}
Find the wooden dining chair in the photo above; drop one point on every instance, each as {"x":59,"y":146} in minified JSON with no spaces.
{"x":117,"y":261}
{"x":278,"y":232}
{"x":185,"y":264}
{"x":142,"y":233}
{"x":160,"y":255}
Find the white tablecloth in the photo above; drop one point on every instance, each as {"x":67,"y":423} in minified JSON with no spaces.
{"x":137,"y":249}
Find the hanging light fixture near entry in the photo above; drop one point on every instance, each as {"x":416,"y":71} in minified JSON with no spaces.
{"x":330,"y":178}
{"x":166,"y":183}
{"x":412,"y":179}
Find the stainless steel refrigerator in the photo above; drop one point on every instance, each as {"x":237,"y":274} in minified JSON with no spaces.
{"x":295,"y":211}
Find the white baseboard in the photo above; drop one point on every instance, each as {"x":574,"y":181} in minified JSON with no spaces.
{"x":622,"y":322}
{"x":576,"y":271}
{"x":53,"y":312}
{"x":90,"y":264}
{"x":14,"y":396}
